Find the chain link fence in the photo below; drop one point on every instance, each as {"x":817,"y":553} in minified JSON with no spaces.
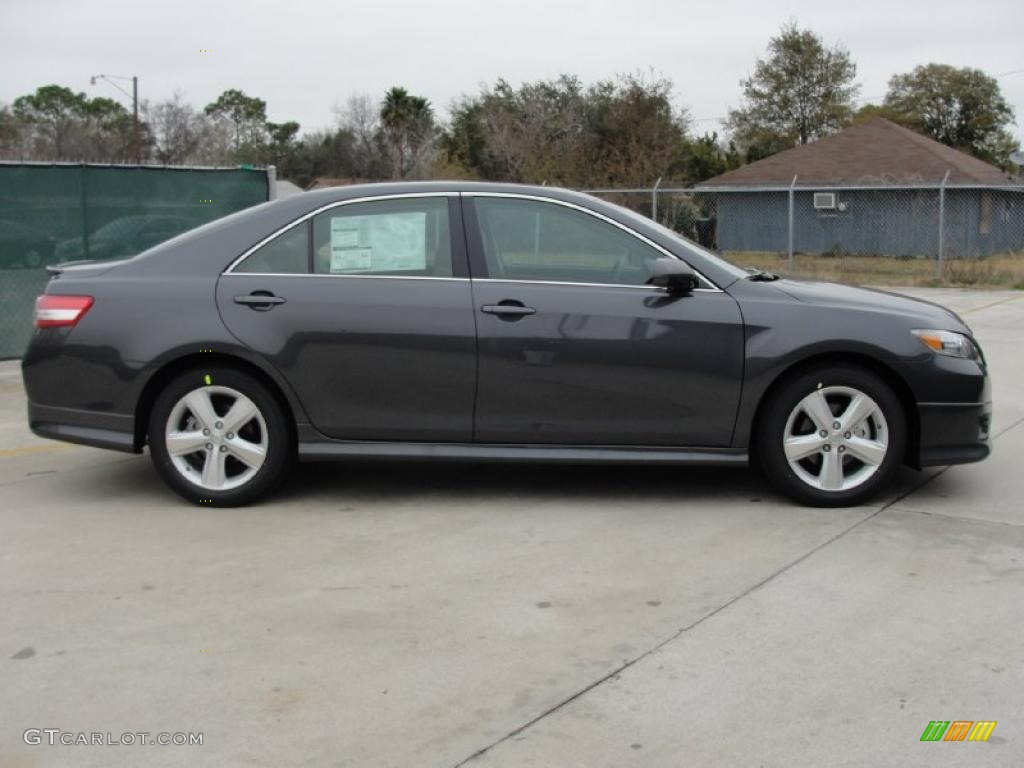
{"x":937,"y":226}
{"x":53,"y":212}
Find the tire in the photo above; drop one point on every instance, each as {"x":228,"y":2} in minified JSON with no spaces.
{"x":831,"y":470}
{"x":225,"y":469}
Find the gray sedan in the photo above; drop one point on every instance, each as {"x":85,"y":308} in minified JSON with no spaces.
{"x":494,"y":323}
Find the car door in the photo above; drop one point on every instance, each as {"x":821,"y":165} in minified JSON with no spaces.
{"x":576,"y":349}
{"x":366,"y":309}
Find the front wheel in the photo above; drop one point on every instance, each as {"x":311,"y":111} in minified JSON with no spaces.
{"x":218,"y":437}
{"x":832,"y":437}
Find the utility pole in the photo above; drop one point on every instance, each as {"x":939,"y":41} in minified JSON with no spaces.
{"x":135,"y":120}
{"x":136,"y":143}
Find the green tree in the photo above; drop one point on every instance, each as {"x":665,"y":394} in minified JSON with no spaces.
{"x":321,"y":153}
{"x":624,"y":131}
{"x":106,"y":134}
{"x":247,"y":116}
{"x":961,"y":107}
{"x":705,"y":157}
{"x":802,"y":91}
{"x":54,"y":111}
{"x":534,"y":133}
{"x":282,"y":140}
{"x":636,"y":134}
{"x":408,"y":131}
{"x":869,"y":112}
{"x":464,"y":141}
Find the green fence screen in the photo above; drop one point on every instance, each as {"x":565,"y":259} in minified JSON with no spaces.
{"x":55,"y":213}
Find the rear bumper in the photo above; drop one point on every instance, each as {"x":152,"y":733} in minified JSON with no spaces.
{"x":953,"y":433}
{"x":100,"y":430}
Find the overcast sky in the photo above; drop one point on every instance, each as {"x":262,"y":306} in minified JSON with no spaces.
{"x":305,"y":56}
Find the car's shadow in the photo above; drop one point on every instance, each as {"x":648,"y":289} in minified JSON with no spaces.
{"x":400,"y":480}
{"x":403,"y":481}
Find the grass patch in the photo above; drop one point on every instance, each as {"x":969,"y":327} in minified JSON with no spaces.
{"x":1000,"y":271}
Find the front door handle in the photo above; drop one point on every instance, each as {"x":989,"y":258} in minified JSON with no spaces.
{"x":510,"y":308}
{"x":261,"y":301}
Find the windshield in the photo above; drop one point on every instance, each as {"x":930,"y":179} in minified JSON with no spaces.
{"x":688,"y":245}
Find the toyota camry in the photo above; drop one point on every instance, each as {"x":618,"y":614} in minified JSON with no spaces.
{"x":497,"y":323}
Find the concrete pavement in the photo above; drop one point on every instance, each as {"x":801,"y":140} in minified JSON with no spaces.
{"x":437,"y":615}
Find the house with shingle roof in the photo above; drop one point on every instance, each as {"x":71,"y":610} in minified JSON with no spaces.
{"x":873,"y":188}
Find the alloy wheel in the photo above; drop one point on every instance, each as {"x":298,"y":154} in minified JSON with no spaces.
{"x":836,"y":438}
{"x":216,"y":438}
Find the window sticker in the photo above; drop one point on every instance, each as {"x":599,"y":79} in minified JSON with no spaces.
{"x":351,"y":259}
{"x":391,"y":242}
{"x":342,"y":236}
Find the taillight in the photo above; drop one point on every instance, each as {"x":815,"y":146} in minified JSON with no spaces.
{"x":60,"y":311}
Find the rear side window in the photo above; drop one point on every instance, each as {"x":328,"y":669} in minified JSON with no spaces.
{"x":406,"y":237}
{"x":286,"y":254}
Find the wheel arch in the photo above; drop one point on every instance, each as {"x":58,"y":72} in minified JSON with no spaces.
{"x":886,"y":373}
{"x":170,"y":369}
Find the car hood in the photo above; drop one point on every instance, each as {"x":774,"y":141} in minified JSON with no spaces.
{"x":871,"y":300}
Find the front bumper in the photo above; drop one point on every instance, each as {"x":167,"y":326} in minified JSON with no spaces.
{"x":953,"y":433}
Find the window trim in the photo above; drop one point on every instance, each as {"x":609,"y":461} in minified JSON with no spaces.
{"x":337,"y":204}
{"x":583,"y":209}
{"x":230,"y":270}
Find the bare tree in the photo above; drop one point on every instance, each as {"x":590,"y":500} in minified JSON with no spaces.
{"x":13,"y":136}
{"x":216,"y":144}
{"x":537,"y":132}
{"x":175,"y":128}
{"x":359,"y":116}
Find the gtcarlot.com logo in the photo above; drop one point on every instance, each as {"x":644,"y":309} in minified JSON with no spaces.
{"x":56,"y":736}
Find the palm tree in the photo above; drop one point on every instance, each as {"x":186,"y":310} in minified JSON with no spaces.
{"x":408,"y":129}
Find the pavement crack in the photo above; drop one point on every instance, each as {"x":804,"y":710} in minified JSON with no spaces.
{"x":971,"y":520}
{"x":990,"y":305}
{"x":693,"y":625}
{"x":1006,"y":429}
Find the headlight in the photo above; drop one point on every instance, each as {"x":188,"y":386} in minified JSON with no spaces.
{"x":948,"y":343}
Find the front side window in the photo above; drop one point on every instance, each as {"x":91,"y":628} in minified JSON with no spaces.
{"x":407,"y":237}
{"x":535,"y":240}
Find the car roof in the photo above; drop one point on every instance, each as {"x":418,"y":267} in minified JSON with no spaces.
{"x":337,"y":194}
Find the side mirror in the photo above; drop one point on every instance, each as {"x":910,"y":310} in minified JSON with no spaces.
{"x":674,"y":275}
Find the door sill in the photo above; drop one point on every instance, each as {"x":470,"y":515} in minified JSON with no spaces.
{"x":508,"y":452}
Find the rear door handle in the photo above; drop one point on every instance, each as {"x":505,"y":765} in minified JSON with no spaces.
{"x":510,"y":309}
{"x":259,"y":300}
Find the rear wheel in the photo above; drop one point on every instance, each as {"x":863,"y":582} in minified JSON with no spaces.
{"x":218,"y":437}
{"x":832,"y":436}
